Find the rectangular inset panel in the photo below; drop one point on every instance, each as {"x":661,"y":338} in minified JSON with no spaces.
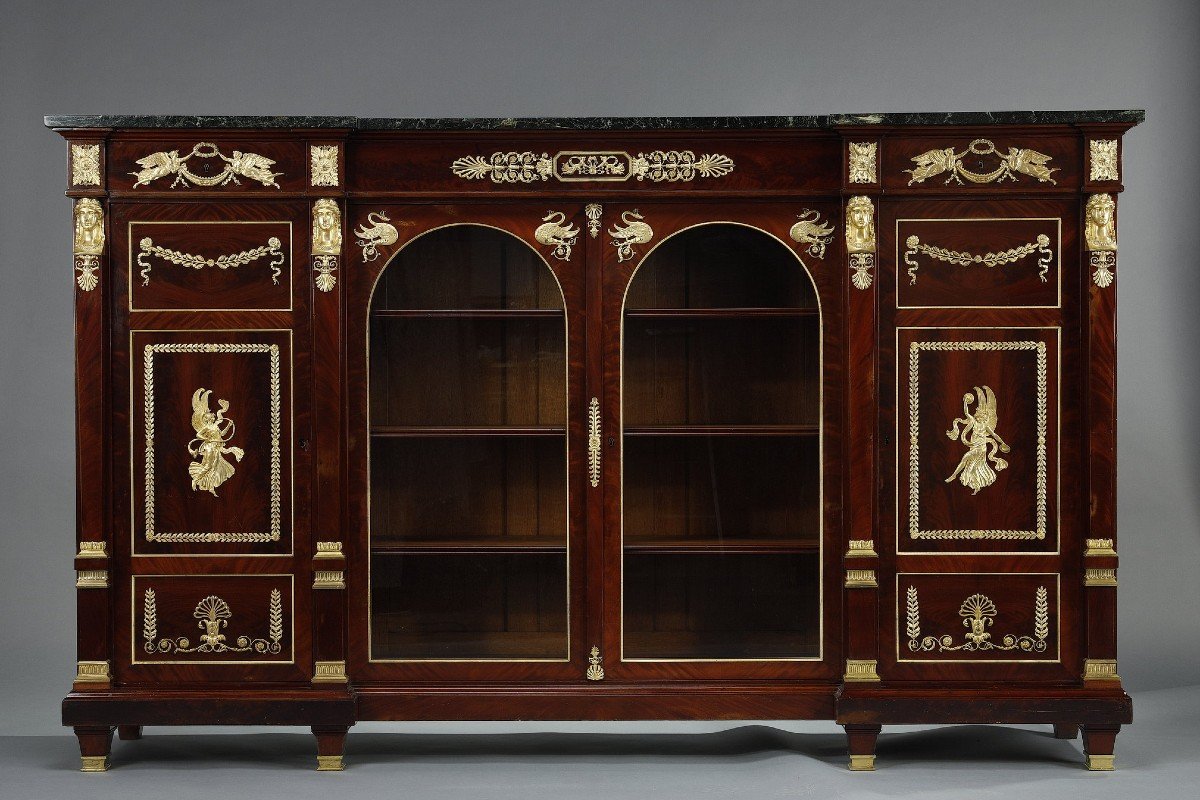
{"x":210,"y":266}
{"x":211,"y":442}
{"x":212,"y":619}
{"x":977,"y":450}
{"x":979,"y":262}
{"x":987,"y":617}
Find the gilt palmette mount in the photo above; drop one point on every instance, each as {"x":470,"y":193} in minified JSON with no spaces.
{"x":212,"y":615}
{"x":979,"y":613}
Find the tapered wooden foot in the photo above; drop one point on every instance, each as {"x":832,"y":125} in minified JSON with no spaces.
{"x":861,"y":740}
{"x":1065,"y":730}
{"x":95,"y":743}
{"x":331,"y":744}
{"x":129,"y":733}
{"x":1098,"y":742}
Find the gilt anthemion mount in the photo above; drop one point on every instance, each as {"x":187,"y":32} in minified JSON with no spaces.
{"x":763,"y":418}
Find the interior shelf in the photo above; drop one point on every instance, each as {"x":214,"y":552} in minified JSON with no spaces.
{"x":735,"y":313}
{"x":441,"y":431}
{"x":468,"y":313}
{"x":679,"y":546}
{"x":473,"y":545}
{"x":723,"y":430}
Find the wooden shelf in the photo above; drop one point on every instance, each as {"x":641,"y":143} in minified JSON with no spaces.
{"x":467,"y":546}
{"x":728,"y":644}
{"x":446,"y":431}
{"x":722,"y":430}
{"x":718,"y":313}
{"x":392,"y":640}
{"x":678,"y":546}
{"x":468,"y":313}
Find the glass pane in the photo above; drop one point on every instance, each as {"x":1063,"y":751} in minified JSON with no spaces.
{"x":721,"y":421}
{"x":490,"y":270}
{"x":467,"y":371}
{"x":468,"y":606}
{"x":468,"y":452}
{"x":701,"y":605}
{"x":720,"y":370}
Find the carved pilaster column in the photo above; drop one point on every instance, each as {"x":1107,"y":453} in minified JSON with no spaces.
{"x":861,"y":556}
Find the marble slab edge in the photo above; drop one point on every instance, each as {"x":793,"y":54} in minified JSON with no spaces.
{"x":1129,"y":116}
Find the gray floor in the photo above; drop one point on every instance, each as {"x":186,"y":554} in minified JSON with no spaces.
{"x":1156,"y":757}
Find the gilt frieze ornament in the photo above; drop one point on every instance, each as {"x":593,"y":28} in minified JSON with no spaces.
{"x":326,"y":242}
{"x":634,"y":231}
{"x":380,"y":233}
{"x":1017,"y":160}
{"x":248,"y":165}
{"x":89,"y":242}
{"x":553,"y":233}
{"x":812,"y":231}
{"x":592,"y":165}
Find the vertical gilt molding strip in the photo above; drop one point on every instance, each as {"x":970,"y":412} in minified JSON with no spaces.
{"x":275,"y":510}
{"x":594,"y":442}
{"x":914,"y":448}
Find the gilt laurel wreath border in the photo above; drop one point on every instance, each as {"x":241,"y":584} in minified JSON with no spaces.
{"x":276,"y":503}
{"x":914,"y":488}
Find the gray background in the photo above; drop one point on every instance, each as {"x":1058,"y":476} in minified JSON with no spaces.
{"x":598,"y":58}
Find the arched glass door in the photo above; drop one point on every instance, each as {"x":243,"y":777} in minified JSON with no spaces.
{"x":721,"y":497}
{"x":468,"y":452}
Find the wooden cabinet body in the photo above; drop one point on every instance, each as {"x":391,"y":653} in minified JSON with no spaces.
{"x":403,"y":420}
